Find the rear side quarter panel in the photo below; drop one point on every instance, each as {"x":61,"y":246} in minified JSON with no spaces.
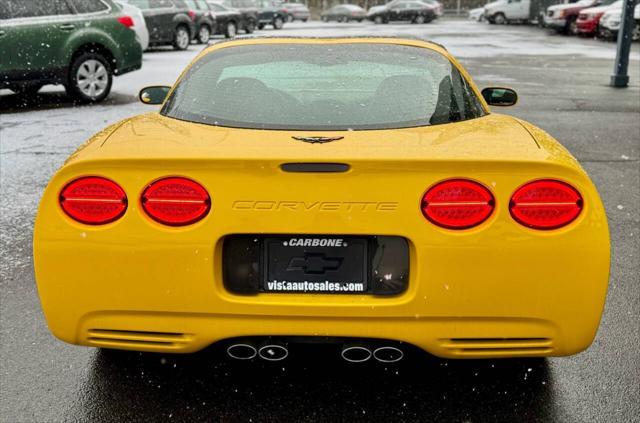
{"x":118,"y":40}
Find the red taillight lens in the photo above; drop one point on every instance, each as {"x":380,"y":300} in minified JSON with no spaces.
{"x":176,"y":201}
{"x":93,"y":200}
{"x":545,"y":204}
{"x":192,"y":15}
{"x":126,"y":21}
{"x":457,"y":204}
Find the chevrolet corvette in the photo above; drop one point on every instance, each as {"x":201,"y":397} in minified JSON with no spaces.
{"x":358,"y":192}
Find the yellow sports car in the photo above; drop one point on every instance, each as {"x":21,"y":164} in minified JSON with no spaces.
{"x":354,"y":191}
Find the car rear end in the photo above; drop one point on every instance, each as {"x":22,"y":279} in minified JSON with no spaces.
{"x":588,"y":21}
{"x":118,"y":29}
{"x":139,"y":24}
{"x":556,"y":18}
{"x":475,"y":238}
{"x":357,"y":14}
{"x":438,"y":8}
{"x":296,"y":12}
{"x":498,"y":289}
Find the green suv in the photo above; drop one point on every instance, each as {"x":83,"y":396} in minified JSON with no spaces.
{"x":81,"y":44}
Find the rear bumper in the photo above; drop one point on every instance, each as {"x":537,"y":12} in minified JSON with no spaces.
{"x":555,"y":23}
{"x":587,"y":27}
{"x":451,"y":337}
{"x":501,"y":295}
{"x":129,"y":57}
{"x":300,"y":15}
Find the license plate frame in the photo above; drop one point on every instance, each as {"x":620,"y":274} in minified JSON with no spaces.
{"x":315,"y":264}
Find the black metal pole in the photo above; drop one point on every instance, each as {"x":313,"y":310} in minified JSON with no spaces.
{"x":620,"y":78}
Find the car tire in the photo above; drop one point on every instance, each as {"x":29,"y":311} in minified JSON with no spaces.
{"x":278,"y":22}
{"x":305,"y":20}
{"x":419,"y":20}
{"x":340,"y":19}
{"x":204,"y":33}
{"x":604,"y":34}
{"x":572,"y":26}
{"x":181,"y":38}
{"x":378,"y":20}
{"x":260,"y":26}
{"x":230,"y":30}
{"x":250,"y":27}
{"x":499,"y":19}
{"x":90,"y":78}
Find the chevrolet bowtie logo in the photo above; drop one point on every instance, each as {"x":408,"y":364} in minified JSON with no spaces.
{"x":314,"y":263}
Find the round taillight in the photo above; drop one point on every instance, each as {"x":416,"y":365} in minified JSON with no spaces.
{"x":176,"y":201}
{"x":457,"y":204}
{"x":545,"y":204}
{"x":93,"y":200}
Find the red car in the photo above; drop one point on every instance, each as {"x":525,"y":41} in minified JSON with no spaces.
{"x":588,"y":19}
{"x":563,"y":17}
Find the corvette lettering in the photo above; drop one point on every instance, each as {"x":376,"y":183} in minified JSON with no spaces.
{"x":325,"y":206}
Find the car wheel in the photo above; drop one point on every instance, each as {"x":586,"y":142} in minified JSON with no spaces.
{"x":250,"y":27}
{"x":278,"y":23}
{"x":419,"y":20}
{"x":604,"y":33}
{"x":378,"y":20}
{"x":499,"y":19}
{"x":204,"y":34}
{"x":260,"y":26}
{"x":231,"y":30}
{"x":90,"y":78}
{"x":340,"y":19}
{"x":305,"y":20}
{"x":181,"y":38}
{"x":572,"y":27}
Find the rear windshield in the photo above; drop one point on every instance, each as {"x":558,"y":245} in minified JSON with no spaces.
{"x":323,"y":87}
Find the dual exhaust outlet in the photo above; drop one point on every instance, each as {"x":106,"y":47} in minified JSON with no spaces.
{"x":352,"y":353}
{"x":268,"y":351}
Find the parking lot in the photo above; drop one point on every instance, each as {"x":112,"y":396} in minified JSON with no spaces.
{"x":563,"y":87}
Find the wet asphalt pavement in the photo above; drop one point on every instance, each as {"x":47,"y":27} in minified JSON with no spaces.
{"x":562,"y":84}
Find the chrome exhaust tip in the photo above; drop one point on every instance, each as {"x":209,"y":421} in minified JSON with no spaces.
{"x":356,"y":353}
{"x":241,"y":351}
{"x":388,"y":354}
{"x":273,"y":352}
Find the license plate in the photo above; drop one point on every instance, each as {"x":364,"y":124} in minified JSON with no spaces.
{"x":315,"y":264}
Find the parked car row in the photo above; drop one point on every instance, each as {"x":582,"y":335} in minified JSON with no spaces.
{"x":582,"y":17}
{"x":179,"y":22}
{"x":88,"y":42}
{"x":415,"y":11}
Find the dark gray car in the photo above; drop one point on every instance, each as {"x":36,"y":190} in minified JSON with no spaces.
{"x":168,"y":21}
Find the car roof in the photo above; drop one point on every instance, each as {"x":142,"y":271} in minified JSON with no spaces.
{"x":250,"y":40}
